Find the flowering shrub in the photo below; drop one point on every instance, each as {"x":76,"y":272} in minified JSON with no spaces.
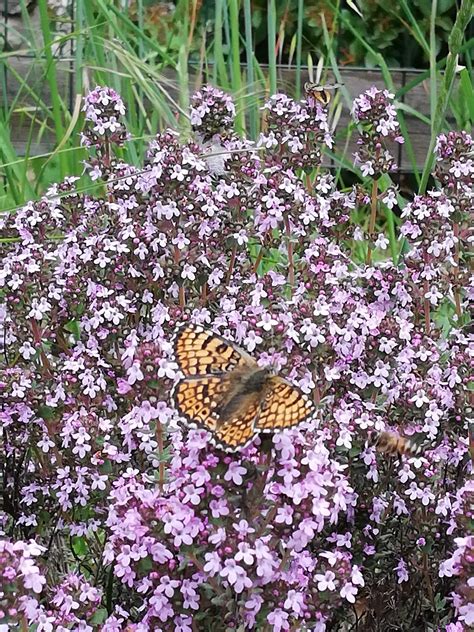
{"x":115,"y":515}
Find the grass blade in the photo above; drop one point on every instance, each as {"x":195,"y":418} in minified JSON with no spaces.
{"x":251,"y":106}
{"x":235,"y":61}
{"x":56,"y":103}
{"x":299,"y":45}
{"x":271,"y":28}
{"x":220,"y":70}
{"x":463,"y":18}
{"x":433,"y":72}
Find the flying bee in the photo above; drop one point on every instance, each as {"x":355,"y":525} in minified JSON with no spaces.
{"x":394,"y":444}
{"x":320,"y":93}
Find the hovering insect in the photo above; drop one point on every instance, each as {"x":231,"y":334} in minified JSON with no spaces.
{"x":394,"y":444}
{"x":320,"y":93}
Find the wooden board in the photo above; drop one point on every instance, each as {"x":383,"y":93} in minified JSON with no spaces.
{"x":355,"y":81}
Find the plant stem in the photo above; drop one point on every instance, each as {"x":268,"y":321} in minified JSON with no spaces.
{"x":299,"y":43}
{"x":204,"y":294}
{"x":373,"y":217}
{"x":231,"y":264}
{"x":159,"y":432}
{"x":37,"y":337}
{"x":456,"y":289}
{"x":193,"y":23}
{"x":182,"y":295}
{"x":259,"y":258}
{"x":426,"y":307}
{"x":291,"y":263}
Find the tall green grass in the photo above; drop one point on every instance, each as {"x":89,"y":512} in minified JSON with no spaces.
{"x":155,"y":76}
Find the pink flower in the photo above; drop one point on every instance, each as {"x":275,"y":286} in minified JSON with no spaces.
{"x":326,"y":581}
{"x":348,"y":591}
{"x":235,"y":473}
{"x":402,"y":572}
{"x":278,"y":619}
{"x":235,"y":575}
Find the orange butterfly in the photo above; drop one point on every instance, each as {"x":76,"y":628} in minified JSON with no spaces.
{"x":226,"y":392}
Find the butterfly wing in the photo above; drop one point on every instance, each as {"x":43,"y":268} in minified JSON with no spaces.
{"x":284,"y":406}
{"x":198,"y":400}
{"x":202,"y":352}
{"x":212,"y":366}
{"x":236,"y":432}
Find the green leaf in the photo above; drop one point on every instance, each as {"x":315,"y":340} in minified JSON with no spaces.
{"x":145,"y":564}
{"x":440,"y":602}
{"x":445,"y":5}
{"x":80,"y":546}
{"x":466,"y":90}
{"x":73,"y":328}
{"x":99,"y":616}
{"x":370,"y":60}
{"x":354,"y":451}
{"x":444,"y":23}
{"x":46,"y":412}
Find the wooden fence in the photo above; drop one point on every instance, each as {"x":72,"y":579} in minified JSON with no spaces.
{"x":41,"y":140}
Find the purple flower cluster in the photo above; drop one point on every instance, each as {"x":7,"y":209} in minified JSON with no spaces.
{"x":295,"y":134}
{"x":300,"y":530}
{"x":207,"y":531}
{"x":20,"y":575}
{"x":461,"y":562}
{"x":103,"y":129}
{"x":376,"y":118}
{"x":212,"y":112}
{"x":103,"y":109}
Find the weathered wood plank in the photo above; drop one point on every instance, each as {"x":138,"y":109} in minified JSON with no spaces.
{"x":31,"y":72}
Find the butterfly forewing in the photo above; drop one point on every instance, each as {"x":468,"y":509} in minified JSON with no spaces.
{"x":284,"y":406}
{"x":197,"y":398}
{"x":201,"y":352}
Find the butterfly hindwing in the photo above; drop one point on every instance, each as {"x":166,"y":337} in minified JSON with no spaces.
{"x":196,"y":398}
{"x":284,"y":406}
{"x":201,"y":352}
{"x":199,"y":400}
{"x":236,"y":432}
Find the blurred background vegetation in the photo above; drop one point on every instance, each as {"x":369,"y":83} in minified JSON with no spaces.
{"x":156,"y":53}
{"x":385,"y":26}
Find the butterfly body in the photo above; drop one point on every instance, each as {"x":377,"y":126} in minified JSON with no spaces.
{"x":245,"y":387}
{"x":225,"y":391}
